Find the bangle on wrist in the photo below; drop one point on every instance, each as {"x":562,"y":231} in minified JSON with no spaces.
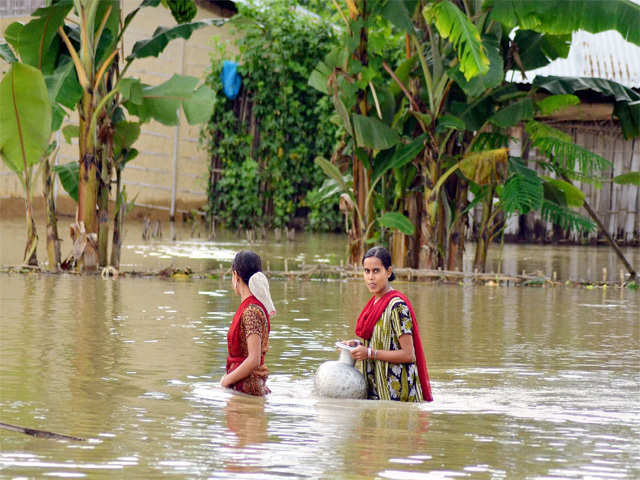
{"x":375,"y":353}
{"x":369,"y":352}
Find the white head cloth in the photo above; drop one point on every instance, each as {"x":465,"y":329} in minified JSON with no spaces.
{"x":259,"y":286}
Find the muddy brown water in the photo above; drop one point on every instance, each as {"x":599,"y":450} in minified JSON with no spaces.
{"x":528,"y":382}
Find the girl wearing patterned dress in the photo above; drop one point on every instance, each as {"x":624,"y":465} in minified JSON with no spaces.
{"x":392,"y":357}
{"x":248,"y":335}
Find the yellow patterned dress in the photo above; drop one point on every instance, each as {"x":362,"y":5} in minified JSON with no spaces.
{"x":391,"y":381}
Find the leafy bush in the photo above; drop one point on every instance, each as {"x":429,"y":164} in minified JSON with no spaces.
{"x":270,"y":134}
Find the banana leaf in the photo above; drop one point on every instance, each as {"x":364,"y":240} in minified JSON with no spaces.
{"x":397,"y":221}
{"x":454,"y":25}
{"x":564,"y":17}
{"x":25,"y":117}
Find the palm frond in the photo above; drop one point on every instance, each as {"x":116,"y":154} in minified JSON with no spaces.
{"x":490,"y":141}
{"x":522,"y":194}
{"x":523,"y":191}
{"x":569,"y":155}
{"x":565,"y":217}
{"x":538,"y":130}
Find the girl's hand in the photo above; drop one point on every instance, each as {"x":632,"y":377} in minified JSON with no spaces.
{"x":224,"y":382}
{"x":351,"y":343}
{"x":359,"y":353}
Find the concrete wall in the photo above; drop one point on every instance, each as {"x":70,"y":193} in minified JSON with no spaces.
{"x":170,"y":157}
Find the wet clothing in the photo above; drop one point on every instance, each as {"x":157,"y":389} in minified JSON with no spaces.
{"x":380,"y":325}
{"x":250,"y":318}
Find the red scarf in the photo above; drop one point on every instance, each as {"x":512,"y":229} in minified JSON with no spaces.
{"x":372,"y":312}
{"x":234,"y":342}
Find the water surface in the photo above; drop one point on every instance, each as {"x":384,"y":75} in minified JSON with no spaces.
{"x":528,"y":383}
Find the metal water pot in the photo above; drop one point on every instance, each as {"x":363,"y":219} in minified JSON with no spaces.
{"x":340,"y":379}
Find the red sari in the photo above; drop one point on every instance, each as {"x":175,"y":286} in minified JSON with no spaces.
{"x":370,"y":315}
{"x":250,"y":318}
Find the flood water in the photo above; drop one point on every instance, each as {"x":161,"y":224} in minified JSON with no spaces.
{"x":528,"y":382}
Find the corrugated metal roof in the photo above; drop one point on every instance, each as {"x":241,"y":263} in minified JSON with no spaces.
{"x":601,"y":55}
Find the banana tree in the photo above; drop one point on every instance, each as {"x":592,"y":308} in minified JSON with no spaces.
{"x":452,"y":88}
{"x":25,"y":125}
{"x":82,"y":41}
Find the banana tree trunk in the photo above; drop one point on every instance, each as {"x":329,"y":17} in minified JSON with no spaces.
{"x":457,"y":233}
{"x":116,"y":242}
{"x":87,"y":184}
{"x":482,"y":245}
{"x":53,"y":242}
{"x":30,"y":255}
{"x":104,"y":177}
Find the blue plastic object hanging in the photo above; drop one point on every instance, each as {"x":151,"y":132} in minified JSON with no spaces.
{"x":231,"y":79}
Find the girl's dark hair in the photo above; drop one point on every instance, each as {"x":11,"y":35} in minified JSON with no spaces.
{"x":383,"y":255}
{"x":245,"y":264}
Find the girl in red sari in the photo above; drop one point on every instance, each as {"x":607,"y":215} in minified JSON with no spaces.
{"x":393,"y":361}
{"x":248,"y":335}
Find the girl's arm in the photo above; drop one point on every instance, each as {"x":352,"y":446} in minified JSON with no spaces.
{"x":406,"y":354}
{"x":254,"y":342}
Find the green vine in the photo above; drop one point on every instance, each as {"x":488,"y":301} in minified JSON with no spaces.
{"x":262,"y":144}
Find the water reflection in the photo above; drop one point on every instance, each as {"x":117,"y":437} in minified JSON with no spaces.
{"x":181,"y":250}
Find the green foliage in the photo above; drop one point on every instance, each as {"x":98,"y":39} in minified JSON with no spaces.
{"x":68,"y":174}
{"x":183,"y":11}
{"x":454,"y":25}
{"x":323,"y":208}
{"x":523,"y":191}
{"x":25,"y":117}
{"x":397,"y":221}
{"x":631,"y":178}
{"x":278,"y":123}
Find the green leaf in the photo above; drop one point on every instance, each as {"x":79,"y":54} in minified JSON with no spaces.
{"x":402,"y":73}
{"x":70,"y":132}
{"x":7,"y":54}
{"x":319,"y":77}
{"x":154,"y":46}
{"x":513,"y":114}
{"x":68,"y":174}
{"x":631,"y":178}
{"x":553,"y":103}
{"x":479,"y":84}
{"x":131,"y":90}
{"x":397,"y":221}
{"x":523,"y":191}
{"x":25,"y":117}
{"x":454,"y":25}
{"x":448,"y":121}
{"x":568,"y":155}
{"x":399,"y":13}
{"x":38,"y":41}
{"x":332,"y":172}
{"x":199,"y":107}
{"x":565,"y":17}
{"x":538,"y":49}
{"x":161,"y":102}
{"x":539,"y":130}
{"x":125,"y":135}
{"x":402,"y":155}
{"x":130,"y":155}
{"x":565,"y":218}
{"x":574,"y":197}
{"x":371,"y":132}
